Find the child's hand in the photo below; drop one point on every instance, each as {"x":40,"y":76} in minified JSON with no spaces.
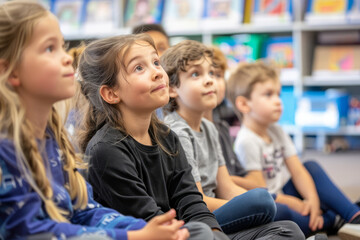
{"x":316,"y":220}
{"x":163,"y":227}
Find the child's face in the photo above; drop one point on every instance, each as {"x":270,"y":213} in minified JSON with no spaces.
{"x":197,"y":91}
{"x":45,"y":73}
{"x":265,"y":103}
{"x":220,"y":89}
{"x":161,"y":41}
{"x":146,"y":84}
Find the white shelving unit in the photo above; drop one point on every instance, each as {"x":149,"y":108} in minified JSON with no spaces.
{"x":304,"y":39}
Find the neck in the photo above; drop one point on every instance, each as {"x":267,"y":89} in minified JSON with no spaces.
{"x":209,"y":115}
{"x":137,"y":126}
{"x":38,"y":115}
{"x":256,"y":127}
{"x":192,"y":118}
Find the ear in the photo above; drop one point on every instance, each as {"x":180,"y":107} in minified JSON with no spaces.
{"x":242,"y":104}
{"x":172,"y":92}
{"x":13,"y":78}
{"x":109,"y":95}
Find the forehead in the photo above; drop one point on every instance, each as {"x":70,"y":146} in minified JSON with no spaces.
{"x":45,"y":27}
{"x":137,"y":48}
{"x":202,"y":62}
{"x":269,"y":83}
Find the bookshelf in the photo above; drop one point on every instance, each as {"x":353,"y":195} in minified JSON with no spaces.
{"x":304,"y":37}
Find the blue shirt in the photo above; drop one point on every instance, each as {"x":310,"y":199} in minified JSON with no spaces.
{"x":22,"y":212}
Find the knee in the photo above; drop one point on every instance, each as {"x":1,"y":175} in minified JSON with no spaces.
{"x":199,"y":230}
{"x":291,"y":229}
{"x":263,"y":199}
{"x":313,"y":167}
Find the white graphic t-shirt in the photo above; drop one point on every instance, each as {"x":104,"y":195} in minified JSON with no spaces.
{"x":255,"y":154}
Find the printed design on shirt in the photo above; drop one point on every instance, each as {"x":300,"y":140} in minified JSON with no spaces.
{"x":273,"y":161}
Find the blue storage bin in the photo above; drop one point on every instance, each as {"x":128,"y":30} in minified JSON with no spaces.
{"x":322,"y":109}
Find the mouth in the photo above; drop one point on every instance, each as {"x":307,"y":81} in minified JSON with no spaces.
{"x":162,"y":86}
{"x":69,"y":75}
{"x":209,"y":93}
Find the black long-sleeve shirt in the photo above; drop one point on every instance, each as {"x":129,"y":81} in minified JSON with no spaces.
{"x":144,"y":181}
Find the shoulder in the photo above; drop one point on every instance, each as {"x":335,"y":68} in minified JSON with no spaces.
{"x":106,"y":137}
{"x":208,"y":125}
{"x":177,"y":124}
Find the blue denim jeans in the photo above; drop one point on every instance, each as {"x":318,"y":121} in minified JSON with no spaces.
{"x":253,"y":208}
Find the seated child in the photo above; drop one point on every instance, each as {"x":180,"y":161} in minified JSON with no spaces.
{"x":137,"y":165}
{"x":192,"y":93}
{"x":41,"y":190}
{"x":305,"y":194}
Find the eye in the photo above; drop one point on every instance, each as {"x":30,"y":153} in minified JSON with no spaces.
{"x":211,"y":73}
{"x":138,"y":68}
{"x":157,"y":63}
{"x":195,"y":74}
{"x":49,"y":48}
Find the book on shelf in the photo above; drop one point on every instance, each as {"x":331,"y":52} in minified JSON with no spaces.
{"x":271,"y":12}
{"x":70,"y":14}
{"x":280,"y":51}
{"x":326,"y":11}
{"x":182,"y":15}
{"x":353,"y":13}
{"x":220,"y":14}
{"x":336,"y":60}
{"x":142,"y":12}
{"x":241,"y":47}
{"x":100,"y":16}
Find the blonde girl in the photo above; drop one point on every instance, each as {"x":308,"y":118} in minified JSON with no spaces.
{"x":41,"y":189}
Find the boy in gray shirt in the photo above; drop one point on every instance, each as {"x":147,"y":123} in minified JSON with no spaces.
{"x":192,"y":93}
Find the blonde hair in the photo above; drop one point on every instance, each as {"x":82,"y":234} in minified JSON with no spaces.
{"x":17,"y":21}
{"x":242,"y":80}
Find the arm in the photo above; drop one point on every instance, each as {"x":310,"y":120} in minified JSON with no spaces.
{"x":306,"y":187}
{"x":245,"y":182}
{"x":226,"y":188}
{"x":22,"y":213}
{"x":184,"y":194}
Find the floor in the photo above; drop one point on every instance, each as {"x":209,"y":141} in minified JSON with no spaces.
{"x":343,"y":169}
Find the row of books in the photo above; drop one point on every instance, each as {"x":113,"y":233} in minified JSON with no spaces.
{"x":279,"y":51}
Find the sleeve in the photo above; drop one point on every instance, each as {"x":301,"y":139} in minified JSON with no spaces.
{"x":219,"y":151}
{"x":248,"y":152}
{"x":116,"y":181}
{"x":21,"y":211}
{"x":187,"y":142}
{"x":185,"y":197}
{"x":289,"y":147}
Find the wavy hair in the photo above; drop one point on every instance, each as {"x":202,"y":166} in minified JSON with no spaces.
{"x":17,"y":21}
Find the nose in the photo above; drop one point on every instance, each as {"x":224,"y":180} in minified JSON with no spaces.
{"x":158,"y":73}
{"x":67,"y":59}
{"x":209,"y":80}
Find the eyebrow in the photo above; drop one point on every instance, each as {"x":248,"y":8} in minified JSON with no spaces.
{"x":140,"y":56}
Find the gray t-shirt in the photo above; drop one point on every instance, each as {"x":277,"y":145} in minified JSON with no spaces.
{"x":202,"y":149}
{"x":256,"y":154}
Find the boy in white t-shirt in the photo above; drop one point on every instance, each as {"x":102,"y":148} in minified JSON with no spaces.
{"x":305,"y":194}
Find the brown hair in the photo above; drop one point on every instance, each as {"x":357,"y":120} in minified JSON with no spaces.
{"x":219,"y":59}
{"x":100,"y":64}
{"x":177,"y":58}
{"x":242,"y":80}
{"x":17,"y":21}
